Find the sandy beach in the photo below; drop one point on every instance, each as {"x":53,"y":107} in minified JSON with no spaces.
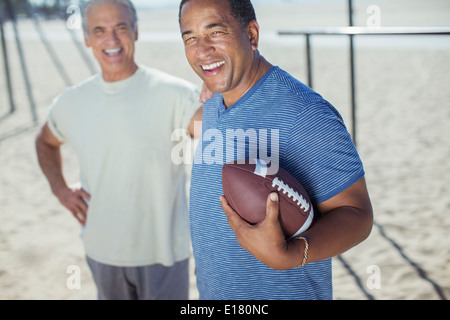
{"x":403,"y":137}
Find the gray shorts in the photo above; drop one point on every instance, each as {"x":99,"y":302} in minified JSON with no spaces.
{"x":154,"y":282}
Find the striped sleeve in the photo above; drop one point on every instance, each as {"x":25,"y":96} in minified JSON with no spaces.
{"x":321,"y":152}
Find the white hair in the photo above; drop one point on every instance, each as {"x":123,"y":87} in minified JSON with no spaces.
{"x":127,"y":3}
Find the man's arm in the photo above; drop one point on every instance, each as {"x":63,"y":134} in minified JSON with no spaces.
{"x":196,"y":120}
{"x":49,"y":157}
{"x":347,"y":221}
{"x":195,"y":126}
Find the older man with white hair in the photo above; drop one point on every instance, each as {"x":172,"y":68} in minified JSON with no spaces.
{"x":132,"y":203}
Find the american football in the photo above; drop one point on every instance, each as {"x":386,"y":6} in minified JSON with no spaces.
{"x":246,"y":186}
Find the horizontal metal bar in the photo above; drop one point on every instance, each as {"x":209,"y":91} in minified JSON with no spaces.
{"x":401,"y":31}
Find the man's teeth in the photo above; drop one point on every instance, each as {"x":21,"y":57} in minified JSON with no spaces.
{"x":213,"y":66}
{"x":112,"y":52}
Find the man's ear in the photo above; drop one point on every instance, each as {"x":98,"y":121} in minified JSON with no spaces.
{"x":86,"y":40}
{"x":253,"y":34}
{"x":136,"y":34}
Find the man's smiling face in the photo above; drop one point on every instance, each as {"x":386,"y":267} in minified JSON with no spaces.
{"x":217,"y":48}
{"x":111,"y":37}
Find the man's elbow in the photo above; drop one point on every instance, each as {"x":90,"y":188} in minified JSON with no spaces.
{"x":367,"y":222}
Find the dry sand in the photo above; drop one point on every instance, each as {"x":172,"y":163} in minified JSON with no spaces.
{"x":403,"y":138}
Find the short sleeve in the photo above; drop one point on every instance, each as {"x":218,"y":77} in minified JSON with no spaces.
{"x":321,"y":153}
{"x":53,"y":121}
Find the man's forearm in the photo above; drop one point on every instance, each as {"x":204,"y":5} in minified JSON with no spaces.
{"x":51,"y":163}
{"x":333,"y":234}
{"x":338,"y":231}
{"x":49,"y":158}
{"x":346,"y":221}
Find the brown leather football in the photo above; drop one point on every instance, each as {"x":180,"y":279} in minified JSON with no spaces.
{"x":247,"y":184}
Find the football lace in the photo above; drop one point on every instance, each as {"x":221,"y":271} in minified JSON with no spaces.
{"x":291,"y":193}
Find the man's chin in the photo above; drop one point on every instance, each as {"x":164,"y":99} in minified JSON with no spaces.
{"x":214,"y":87}
{"x":117,"y":72}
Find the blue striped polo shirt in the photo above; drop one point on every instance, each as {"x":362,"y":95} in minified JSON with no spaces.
{"x":281,"y":120}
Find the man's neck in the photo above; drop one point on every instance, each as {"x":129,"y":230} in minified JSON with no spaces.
{"x":259,"y":69}
{"x":122,"y":75}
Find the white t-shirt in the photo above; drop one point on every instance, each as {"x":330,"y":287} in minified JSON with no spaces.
{"x":121,"y":132}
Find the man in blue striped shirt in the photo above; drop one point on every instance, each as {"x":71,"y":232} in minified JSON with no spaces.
{"x":259,"y":108}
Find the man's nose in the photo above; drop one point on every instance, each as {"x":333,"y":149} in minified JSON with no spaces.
{"x":204,"y":47}
{"x":112,"y":37}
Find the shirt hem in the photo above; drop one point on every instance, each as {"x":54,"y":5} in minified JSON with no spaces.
{"x":137,"y":264}
{"x":341,"y":188}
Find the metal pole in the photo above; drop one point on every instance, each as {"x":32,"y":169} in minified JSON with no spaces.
{"x":350,"y":13}
{"x":48,"y":46}
{"x":6,"y":64}
{"x":353,"y":88}
{"x":308,"y":60}
{"x":12,"y":14}
{"x":365,"y":31}
{"x":82,"y":51}
{"x":352,"y":73}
